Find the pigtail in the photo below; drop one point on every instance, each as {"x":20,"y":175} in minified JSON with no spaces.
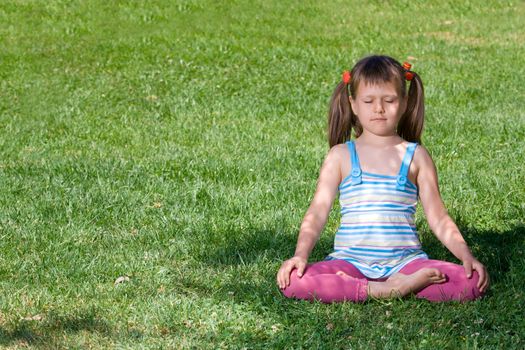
{"x":341,"y":118}
{"x":410,"y":126}
{"x":339,"y":127}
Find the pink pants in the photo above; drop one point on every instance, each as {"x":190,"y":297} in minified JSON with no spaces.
{"x":320,"y":282}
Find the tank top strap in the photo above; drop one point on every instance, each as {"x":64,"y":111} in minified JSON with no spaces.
{"x":405,"y":166}
{"x":356,"y":168}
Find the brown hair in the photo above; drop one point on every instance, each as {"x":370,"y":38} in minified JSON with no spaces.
{"x":376,"y":70}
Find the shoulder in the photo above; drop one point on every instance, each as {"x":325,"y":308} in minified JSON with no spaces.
{"x":339,"y":154}
{"x":422,"y":161}
{"x":421,"y":154}
{"x":338,"y":151}
{"x":337,"y":159}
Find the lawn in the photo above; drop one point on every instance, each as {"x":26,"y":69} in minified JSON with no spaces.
{"x":177,"y":144}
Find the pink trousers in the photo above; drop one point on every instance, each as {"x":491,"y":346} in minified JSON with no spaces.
{"x":320,"y":282}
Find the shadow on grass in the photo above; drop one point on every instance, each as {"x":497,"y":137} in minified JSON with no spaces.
{"x":255,"y":245}
{"x":51,"y":328}
{"x":242,"y":252}
{"x":498,"y":251}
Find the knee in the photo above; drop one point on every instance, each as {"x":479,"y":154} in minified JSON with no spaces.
{"x":469,"y":287}
{"x":298,"y":287}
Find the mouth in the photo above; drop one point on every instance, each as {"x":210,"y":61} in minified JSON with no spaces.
{"x":378,"y":119}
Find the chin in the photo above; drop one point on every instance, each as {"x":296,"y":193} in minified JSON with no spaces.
{"x":383,"y":132}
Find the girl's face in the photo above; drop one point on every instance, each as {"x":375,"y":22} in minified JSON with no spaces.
{"x":378,"y":108}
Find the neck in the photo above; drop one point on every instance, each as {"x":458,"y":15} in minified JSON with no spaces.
{"x":378,"y":140}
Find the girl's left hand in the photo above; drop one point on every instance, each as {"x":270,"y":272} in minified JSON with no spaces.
{"x":474,"y":264}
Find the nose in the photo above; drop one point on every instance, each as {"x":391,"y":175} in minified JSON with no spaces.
{"x":378,"y":107}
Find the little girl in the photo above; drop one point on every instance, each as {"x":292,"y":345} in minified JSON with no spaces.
{"x":379,"y":177}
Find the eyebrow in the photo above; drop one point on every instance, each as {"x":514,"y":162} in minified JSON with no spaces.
{"x":371,"y":96}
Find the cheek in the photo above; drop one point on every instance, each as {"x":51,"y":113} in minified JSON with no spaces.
{"x":395,"y":108}
{"x":366,"y":106}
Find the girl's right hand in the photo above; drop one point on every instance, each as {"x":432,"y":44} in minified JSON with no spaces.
{"x":283,"y":276}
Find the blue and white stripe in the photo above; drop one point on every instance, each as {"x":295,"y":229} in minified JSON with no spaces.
{"x":377,"y":232}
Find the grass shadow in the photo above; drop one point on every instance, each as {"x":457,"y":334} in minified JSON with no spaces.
{"x":252,"y":254}
{"x":42,"y":332}
{"x":248,"y":247}
{"x":499,"y":251}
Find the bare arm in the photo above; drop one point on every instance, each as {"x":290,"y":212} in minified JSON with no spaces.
{"x":438,"y":219}
{"x":316,"y":215}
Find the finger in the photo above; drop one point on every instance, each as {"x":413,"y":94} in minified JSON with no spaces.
{"x":300,"y":269}
{"x":281,"y":276}
{"x":287,"y":272}
{"x":468,"y":269}
{"x":484,"y":285}
{"x":482,"y":277}
{"x":280,"y":279}
{"x":483,"y":288}
{"x":487,"y":282}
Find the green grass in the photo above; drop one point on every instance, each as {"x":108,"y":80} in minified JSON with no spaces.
{"x":178,"y":143}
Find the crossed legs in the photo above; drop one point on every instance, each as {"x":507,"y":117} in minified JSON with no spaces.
{"x":337,"y":281}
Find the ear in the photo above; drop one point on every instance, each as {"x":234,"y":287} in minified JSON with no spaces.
{"x":352,"y":104}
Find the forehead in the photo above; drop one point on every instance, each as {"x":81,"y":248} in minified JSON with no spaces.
{"x":376,"y":89}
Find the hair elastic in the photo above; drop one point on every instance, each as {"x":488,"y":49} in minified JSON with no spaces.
{"x":346,"y":76}
{"x":408,"y":74}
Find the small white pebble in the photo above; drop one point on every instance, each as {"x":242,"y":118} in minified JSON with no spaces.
{"x":37,"y":317}
{"x":121,"y":279}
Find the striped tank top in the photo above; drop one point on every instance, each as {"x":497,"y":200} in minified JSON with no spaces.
{"x":377,"y":233}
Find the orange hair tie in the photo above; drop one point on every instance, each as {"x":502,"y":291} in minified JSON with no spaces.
{"x":408,"y":74}
{"x":346,"y":77}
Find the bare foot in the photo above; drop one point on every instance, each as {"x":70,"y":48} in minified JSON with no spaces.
{"x":400,"y":285}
